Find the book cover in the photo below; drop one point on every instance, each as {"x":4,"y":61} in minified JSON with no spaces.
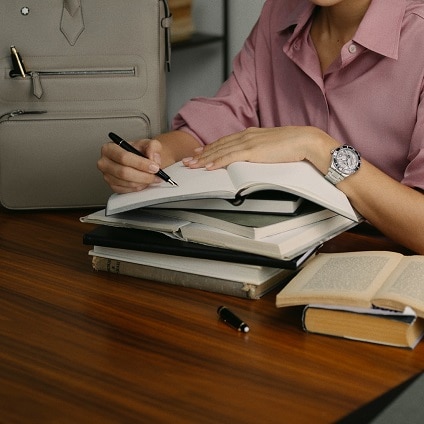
{"x":215,"y":276}
{"x":152,"y":241}
{"x":393,"y":328}
{"x":283,"y":246}
{"x":246,"y":224}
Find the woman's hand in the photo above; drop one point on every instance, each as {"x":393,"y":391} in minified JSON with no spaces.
{"x":126,"y":172}
{"x":266,"y":145}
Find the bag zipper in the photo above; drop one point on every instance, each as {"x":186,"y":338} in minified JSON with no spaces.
{"x":37,"y":88}
{"x":6,"y":116}
{"x":82,"y":72}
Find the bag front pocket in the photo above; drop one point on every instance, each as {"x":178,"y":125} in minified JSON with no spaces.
{"x":54,"y":79}
{"x":50,"y":160}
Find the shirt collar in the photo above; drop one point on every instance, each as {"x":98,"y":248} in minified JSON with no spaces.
{"x":379,"y":30}
{"x":298,"y":17}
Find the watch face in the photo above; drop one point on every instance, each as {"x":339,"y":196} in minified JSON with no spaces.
{"x":346,"y":160}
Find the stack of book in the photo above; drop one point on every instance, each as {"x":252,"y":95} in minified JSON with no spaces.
{"x":221,"y":230}
{"x":182,"y":20}
{"x":374,"y":296}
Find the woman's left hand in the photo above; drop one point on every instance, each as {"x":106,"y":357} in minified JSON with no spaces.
{"x":264,"y":145}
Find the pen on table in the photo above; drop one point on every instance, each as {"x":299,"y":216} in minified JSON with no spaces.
{"x":126,"y":146}
{"x":232,"y":320}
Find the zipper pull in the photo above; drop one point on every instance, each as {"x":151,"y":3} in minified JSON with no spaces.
{"x":37,"y":89}
{"x":18,"y":63}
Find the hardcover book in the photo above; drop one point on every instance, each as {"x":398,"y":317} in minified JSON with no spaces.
{"x":283,"y":246}
{"x":151,"y":241}
{"x":251,"y":225}
{"x":401,"y":329}
{"x":246,"y":281}
{"x":247,"y":224}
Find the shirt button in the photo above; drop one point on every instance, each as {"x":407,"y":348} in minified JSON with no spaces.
{"x":352,"y":48}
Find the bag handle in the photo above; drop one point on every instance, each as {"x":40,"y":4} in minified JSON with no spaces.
{"x":72,"y":22}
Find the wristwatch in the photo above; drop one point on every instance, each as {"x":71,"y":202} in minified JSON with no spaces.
{"x":345,"y":161}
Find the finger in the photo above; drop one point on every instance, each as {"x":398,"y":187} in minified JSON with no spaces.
{"x":117,"y":174}
{"x":122,"y":186}
{"x":152,"y":149}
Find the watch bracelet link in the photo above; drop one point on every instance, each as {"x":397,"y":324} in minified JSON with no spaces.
{"x":333,"y":176}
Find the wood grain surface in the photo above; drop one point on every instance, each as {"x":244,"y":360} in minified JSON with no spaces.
{"x":84,"y":347}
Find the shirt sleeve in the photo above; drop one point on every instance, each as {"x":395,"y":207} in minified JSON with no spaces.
{"x":232,"y":109}
{"x":414,"y":172}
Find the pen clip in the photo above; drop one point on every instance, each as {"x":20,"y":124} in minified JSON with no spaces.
{"x":18,"y":63}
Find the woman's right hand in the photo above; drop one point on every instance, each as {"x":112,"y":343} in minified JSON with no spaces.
{"x":126,"y":172}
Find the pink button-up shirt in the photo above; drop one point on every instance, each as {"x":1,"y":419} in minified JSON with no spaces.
{"x":371,"y":97}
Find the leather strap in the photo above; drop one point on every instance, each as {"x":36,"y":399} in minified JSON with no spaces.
{"x":72,"y":6}
{"x":72,"y":22}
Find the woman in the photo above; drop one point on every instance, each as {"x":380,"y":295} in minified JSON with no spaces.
{"x":314,"y":75}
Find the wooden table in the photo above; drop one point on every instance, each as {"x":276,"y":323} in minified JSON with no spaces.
{"x":84,"y":347}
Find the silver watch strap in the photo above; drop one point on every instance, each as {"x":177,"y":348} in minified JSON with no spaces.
{"x":333,"y":176}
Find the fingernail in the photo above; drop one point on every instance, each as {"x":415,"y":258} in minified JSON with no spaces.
{"x":153,"y":168}
{"x":187,"y":159}
{"x":199,"y":149}
{"x":157,"y":158}
{"x":191,"y":161}
{"x":209,"y":165}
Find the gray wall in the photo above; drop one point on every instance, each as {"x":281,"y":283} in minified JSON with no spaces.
{"x":198,"y":71}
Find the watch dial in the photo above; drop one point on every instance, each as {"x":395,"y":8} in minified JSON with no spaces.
{"x":346,"y":161}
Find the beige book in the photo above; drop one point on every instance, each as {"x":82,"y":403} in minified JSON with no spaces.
{"x":380,"y":279}
{"x":392,"y":328}
{"x":239,"y":282}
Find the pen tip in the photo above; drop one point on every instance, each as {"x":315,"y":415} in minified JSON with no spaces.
{"x":172,"y":182}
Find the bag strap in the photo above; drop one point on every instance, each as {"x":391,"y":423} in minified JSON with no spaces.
{"x":72,"y":22}
{"x":166,"y":25}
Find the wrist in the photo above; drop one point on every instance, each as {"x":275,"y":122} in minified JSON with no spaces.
{"x":318,"y":150}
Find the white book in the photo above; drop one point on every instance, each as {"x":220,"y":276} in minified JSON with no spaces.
{"x":271,"y":201}
{"x":284,"y":246}
{"x":253,"y":274}
{"x":236,"y":181}
{"x":242,"y":281}
{"x":251,"y":225}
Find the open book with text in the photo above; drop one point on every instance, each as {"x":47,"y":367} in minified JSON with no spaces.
{"x":236,"y":181}
{"x":378,"y":279}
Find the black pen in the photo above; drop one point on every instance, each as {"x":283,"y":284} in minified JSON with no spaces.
{"x":232,"y":320}
{"x":126,"y":146}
